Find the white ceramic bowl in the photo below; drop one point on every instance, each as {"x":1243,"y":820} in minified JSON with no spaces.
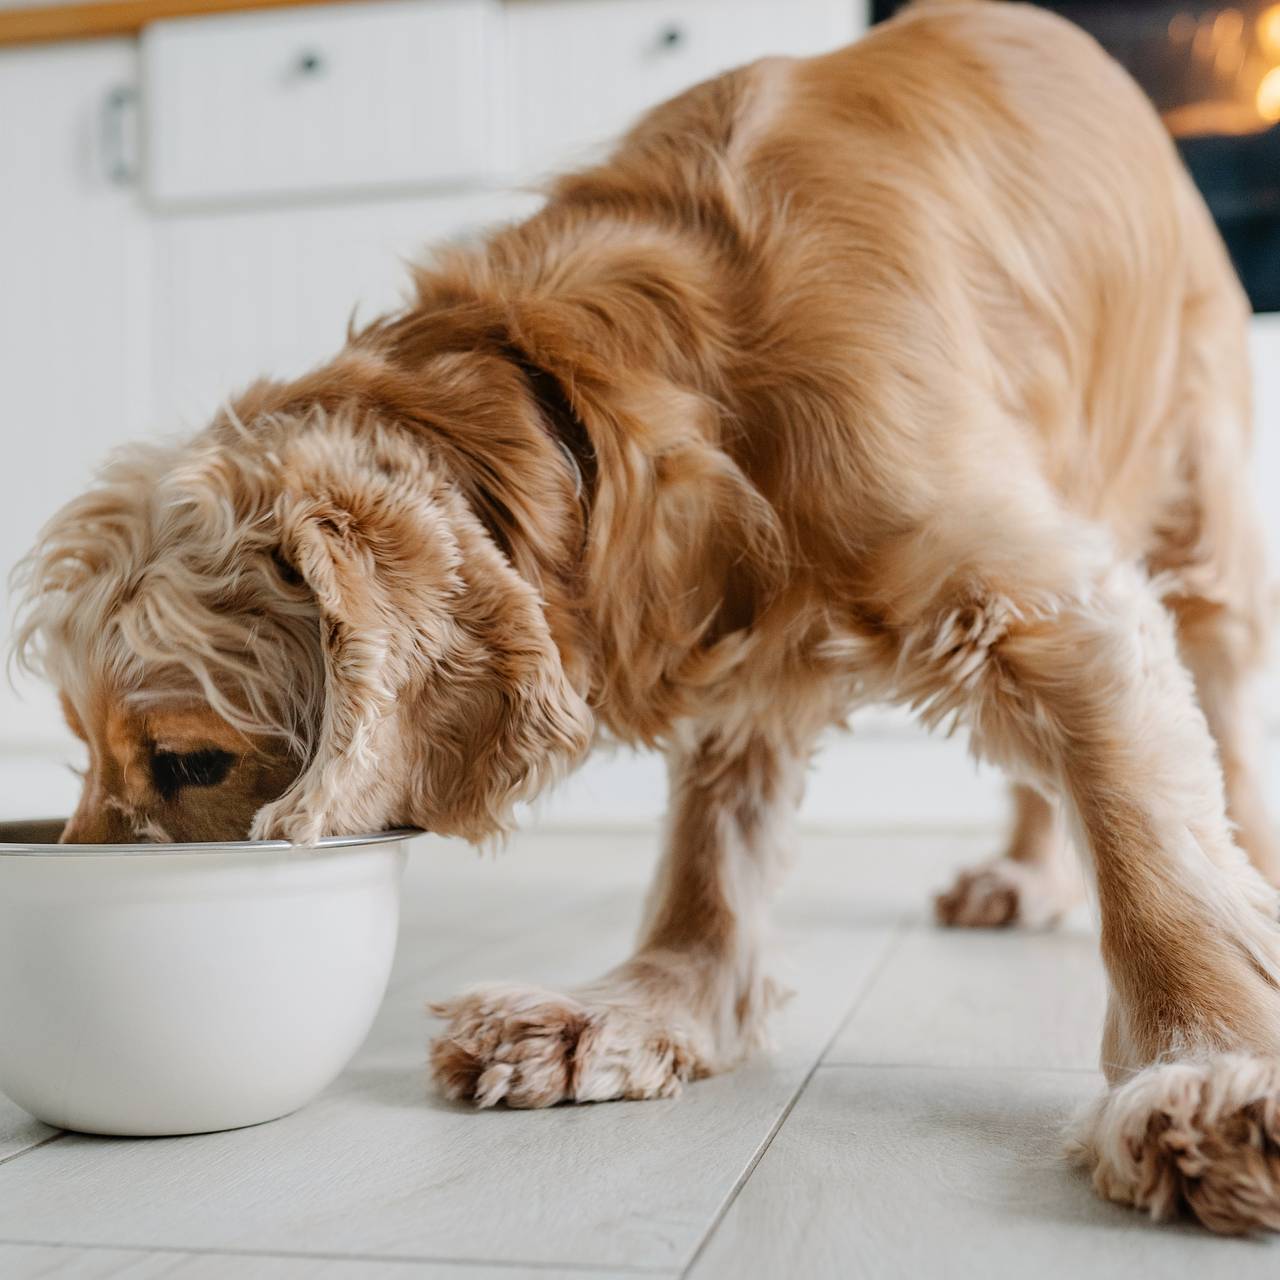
{"x":161,"y":989}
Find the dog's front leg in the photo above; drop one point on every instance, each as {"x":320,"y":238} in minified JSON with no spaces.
{"x":693,"y":999}
{"x":1091,"y":692}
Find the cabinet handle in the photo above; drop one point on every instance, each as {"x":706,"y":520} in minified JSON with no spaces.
{"x":118,"y":139}
{"x":311,"y":63}
{"x":671,"y":37}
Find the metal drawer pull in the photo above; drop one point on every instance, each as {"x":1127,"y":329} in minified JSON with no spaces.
{"x":311,"y":64}
{"x":117,"y":139}
{"x":671,"y":37}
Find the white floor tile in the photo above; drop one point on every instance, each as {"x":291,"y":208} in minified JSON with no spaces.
{"x":18,"y":1131}
{"x":1000,"y":998}
{"x":44,"y":1262}
{"x":883,"y":1171}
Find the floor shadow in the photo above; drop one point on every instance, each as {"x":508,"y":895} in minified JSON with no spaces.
{"x":398,"y":1088}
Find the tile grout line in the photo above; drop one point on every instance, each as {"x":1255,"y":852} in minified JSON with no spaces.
{"x":35,"y":1146}
{"x":904,"y":928}
{"x":587,"y":1268}
{"x":990,"y":1067}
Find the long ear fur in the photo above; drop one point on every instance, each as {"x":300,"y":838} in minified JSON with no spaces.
{"x":445,"y":699}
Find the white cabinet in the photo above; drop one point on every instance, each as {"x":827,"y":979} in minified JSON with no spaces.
{"x":270,"y":292}
{"x":74,"y":325}
{"x":401,"y":94}
{"x":352,"y":97}
{"x":404,"y":93}
{"x":582,"y":70}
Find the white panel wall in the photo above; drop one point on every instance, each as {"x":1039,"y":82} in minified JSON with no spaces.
{"x":1266,"y":480}
{"x":74,"y":330}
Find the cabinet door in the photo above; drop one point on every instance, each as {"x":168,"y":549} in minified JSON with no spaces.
{"x":73,"y":318}
{"x":319,"y":98}
{"x":270,"y":292}
{"x":583,"y":70}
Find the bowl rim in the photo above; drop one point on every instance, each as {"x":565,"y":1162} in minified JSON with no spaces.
{"x":19,"y":849}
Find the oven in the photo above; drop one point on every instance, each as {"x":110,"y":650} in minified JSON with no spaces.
{"x":1213,"y":72}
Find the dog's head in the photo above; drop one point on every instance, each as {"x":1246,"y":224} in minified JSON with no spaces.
{"x":293,"y":628}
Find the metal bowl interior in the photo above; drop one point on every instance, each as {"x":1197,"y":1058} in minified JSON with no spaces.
{"x":38,"y":837}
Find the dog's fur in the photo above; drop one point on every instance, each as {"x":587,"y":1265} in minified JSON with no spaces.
{"x":914,"y":372}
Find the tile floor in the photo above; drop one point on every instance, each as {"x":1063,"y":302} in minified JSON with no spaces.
{"x":906,"y":1124}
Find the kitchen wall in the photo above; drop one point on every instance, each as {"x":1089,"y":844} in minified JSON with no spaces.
{"x":154,"y":258}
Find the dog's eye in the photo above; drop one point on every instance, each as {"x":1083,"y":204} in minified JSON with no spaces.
{"x":173,"y":770}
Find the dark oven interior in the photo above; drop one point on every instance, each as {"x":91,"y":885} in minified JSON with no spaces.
{"x":1213,"y":71}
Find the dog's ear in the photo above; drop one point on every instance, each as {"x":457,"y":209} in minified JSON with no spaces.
{"x":497,"y":719}
{"x":445,"y":698}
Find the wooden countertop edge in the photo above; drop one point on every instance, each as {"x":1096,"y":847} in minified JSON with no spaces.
{"x":114,"y":17}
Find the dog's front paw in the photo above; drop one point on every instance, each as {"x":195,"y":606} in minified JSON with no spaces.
{"x":295,"y":817}
{"x":1003,"y":892}
{"x":1199,"y":1137}
{"x":528,"y":1047}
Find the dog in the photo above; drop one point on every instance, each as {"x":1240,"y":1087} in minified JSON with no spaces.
{"x":911,"y":373}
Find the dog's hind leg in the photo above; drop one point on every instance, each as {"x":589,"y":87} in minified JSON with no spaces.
{"x":1032,"y":884}
{"x":1224,"y":663}
{"x":1210,"y":553}
{"x":694,"y":998}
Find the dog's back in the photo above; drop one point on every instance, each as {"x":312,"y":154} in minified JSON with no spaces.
{"x":965,"y":238}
